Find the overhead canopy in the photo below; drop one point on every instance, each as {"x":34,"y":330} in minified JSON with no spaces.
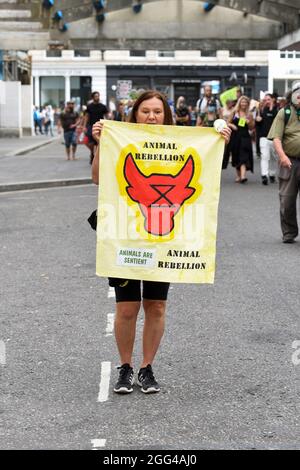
{"x":178,"y":24}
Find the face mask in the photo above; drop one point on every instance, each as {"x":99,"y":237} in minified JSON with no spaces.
{"x":296,"y":97}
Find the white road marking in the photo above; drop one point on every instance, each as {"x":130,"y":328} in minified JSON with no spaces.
{"x":98,"y":443}
{"x":110,"y":324}
{"x":111,"y":292}
{"x":104,"y":382}
{"x":2,"y":353}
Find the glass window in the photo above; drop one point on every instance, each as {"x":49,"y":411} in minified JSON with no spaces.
{"x":53,"y":91}
{"x":166,"y":54}
{"x":140,"y":82}
{"x":163,"y":84}
{"x":236,"y":53}
{"x":81,"y":53}
{"x":279,"y":87}
{"x":137,"y":53}
{"x":208,"y":53}
{"x":53,"y":53}
{"x":80,"y":90}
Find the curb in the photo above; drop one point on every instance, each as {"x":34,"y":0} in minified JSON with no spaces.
{"x":31,"y":148}
{"x":43,"y":184}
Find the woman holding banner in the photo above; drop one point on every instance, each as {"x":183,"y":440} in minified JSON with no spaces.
{"x":151,"y":107}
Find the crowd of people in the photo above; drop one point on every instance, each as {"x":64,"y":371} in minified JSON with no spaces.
{"x":251,"y":127}
{"x":250,"y":121}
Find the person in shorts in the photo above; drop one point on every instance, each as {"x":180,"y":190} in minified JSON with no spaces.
{"x":151,"y":107}
{"x":68,"y":121}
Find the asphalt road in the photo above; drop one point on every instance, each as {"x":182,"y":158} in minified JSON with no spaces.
{"x":225,"y":364}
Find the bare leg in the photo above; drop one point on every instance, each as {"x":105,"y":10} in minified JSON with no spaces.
{"x":238,"y":175}
{"x":153,"y":328}
{"x":73,"y":151}
{"x":243,"y":172}
{"x":125,"y":325}
{"x":68,"y":150}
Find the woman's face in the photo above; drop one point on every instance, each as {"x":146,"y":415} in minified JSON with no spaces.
{"x":150,"y":112}
{"x":244,"y":105}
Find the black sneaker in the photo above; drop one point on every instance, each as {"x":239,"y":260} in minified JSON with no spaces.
{"x":126,"y":380}
{"x":272,"y":179}
{"x":264,"y":180}
{"x":288,"y":240}
{"x":147,"y":381}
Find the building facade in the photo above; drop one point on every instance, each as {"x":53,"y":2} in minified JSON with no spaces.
{"x":71,"y":75}
{"x":57,"y":79}
{"x":284,"y":69}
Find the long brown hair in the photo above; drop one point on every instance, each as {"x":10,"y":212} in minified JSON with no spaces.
{"x":147,"y":95}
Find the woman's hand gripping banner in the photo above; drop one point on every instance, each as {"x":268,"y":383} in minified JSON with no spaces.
{"x":159,"y":190}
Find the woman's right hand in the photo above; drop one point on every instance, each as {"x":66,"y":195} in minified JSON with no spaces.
{"x":96,"y":131}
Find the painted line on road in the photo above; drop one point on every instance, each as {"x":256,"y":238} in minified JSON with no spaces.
{"x":111,"y":292}
{"x":98,"y":443}
{"x":104,"y":382}
{"x":110,"y":324}
{"x":2,"y":353}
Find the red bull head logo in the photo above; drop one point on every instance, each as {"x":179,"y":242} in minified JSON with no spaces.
{"x":159,"y":196}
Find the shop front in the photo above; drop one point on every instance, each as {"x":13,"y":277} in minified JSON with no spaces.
{"x":187,"y":81}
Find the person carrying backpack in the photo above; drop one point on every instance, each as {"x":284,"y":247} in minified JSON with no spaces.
{"x":285,"y":133}
{"x":208,"y":108}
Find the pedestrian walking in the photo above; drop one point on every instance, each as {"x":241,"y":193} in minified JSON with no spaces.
{"x":151,"y":107}
{"x":182,"y":115}
{"x":49,"y":120}
{"x":37,"y":121}
{"x":241,"y":122}
{"x":208,"y":108}
{"x":264,"y":120}
{"x":285,"y":133}
{"x":69,"y":120}
{"x":94,"y":112}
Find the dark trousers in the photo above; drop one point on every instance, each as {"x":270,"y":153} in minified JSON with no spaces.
{"x":289,"y":186}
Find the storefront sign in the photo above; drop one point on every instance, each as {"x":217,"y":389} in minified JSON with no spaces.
{"x":123,"y":89}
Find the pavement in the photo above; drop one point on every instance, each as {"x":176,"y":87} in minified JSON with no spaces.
{"x":39,"y":162}
{"x":228,"y":365}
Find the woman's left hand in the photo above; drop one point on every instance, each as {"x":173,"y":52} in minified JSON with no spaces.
{"x":226,"y":134}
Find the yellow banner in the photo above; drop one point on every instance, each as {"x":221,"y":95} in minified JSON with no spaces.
{"x":228,"y":95}
{"x":158,"y":200}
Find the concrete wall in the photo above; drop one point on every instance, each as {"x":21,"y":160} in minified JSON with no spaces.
{"x":26,"y":108}
{"x":174,"y":19}
{"x":10,"y":110}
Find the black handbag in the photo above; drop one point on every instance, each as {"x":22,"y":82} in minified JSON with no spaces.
{"x":92,"y":220}
{"x":112,"y":281}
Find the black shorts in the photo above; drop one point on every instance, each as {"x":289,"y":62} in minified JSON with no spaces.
{"x":151,"y":291}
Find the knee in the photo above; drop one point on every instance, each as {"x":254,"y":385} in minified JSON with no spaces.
{"x":127,"y":312}
{"x":155,"y":308}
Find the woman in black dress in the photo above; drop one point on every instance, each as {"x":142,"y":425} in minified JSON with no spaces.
{"x":241,"y":122}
